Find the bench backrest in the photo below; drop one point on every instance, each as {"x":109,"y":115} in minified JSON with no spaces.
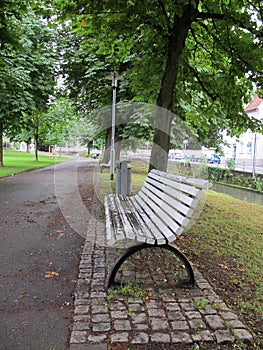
{"x":169,"y":202}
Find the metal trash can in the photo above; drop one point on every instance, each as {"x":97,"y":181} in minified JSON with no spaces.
{"x":123,"y":178}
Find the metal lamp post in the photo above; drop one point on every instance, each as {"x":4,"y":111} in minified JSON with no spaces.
{"x":254,"y":161}
{"x":114,"y":78}
{"x":185,"y":142}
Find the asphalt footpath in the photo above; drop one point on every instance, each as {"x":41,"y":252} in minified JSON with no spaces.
{"x":40,"y":251}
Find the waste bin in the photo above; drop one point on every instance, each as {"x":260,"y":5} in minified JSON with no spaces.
{"x":123,"y":178}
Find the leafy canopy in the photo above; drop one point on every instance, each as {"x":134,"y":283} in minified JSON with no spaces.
{"x":200,"y":58}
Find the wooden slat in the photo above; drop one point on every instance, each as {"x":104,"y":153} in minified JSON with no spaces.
{"x":144,"y":233}
{"x":159,"y":229}
{"x":170,"y":206}
{"x":199,"y":183}
{"x":123,"y":213}
{"x":115,"y":217}
{"x":171,"y":195}
{"x":158,"y":213}
{"x":110,"y":236}
{"x":174,"y":192}
{"x":124,"y":207}
{"x":166,"y":214}
{"x":177,"y":185}
{"x":146,"y":214}
{"x":178,"y":200}
{"x":135,"y":217}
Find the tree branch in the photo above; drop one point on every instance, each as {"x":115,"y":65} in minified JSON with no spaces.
{"x":210,"y":15}
{"x":204,"y":88}
{"x":164,"y":14}
{"x":199,"y":43}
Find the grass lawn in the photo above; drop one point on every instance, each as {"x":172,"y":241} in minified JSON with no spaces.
{"x":226,"y":245}
{"x":18,"y":162}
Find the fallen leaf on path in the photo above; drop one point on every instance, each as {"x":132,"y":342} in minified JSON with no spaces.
{"x":61,"y":233}
{"x":21,"y":212}
{"x":51,"y":274}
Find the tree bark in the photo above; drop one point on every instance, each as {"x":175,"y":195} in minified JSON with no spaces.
{"x":1,"y":145}
{"x":166,"y":96}
{"x":36,"y":145}
{"x":106,"y":154}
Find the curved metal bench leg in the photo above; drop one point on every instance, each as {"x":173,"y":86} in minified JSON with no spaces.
{"x":187,"y":283}
{"x":121,"y":260}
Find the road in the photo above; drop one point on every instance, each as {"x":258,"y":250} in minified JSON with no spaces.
{"x":36,"y":239}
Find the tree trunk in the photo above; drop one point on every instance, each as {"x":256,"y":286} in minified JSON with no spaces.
{"x":166,"y":96}
{"x":106,"y":154}
{"x":36,"y":145}
{"x":1,"y":145}
{"x":161,"y":140}
{"x":89,"y":146}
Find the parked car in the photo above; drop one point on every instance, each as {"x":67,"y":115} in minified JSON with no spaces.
{"x":175,"y":156}
{"x":213,"y":159}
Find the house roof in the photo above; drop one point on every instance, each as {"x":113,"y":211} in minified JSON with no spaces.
{"x":254,"y":104}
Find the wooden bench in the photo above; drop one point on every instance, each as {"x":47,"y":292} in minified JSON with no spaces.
{"x":156,"y":216}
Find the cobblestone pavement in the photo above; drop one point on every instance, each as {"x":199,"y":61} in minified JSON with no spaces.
{"x":161,"y":317}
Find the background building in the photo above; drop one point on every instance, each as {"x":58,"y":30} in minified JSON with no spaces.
{"x":247,"y":149}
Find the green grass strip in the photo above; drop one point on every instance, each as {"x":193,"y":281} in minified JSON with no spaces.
{"x":18,"y":162}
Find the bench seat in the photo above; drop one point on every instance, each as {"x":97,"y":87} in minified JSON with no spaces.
{"x":160,"y":212}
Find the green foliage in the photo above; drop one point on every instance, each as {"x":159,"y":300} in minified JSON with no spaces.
{"x":199,"y":59}
{"x":230,"y":164}
{"x":10,"y":12}
{"x":57,"y":123}
{"x":201,"y":304}
{"x":27,"y":67}
{"x":222,"y":46}
{"x":127,"y":291}
{"x":258,"y":184}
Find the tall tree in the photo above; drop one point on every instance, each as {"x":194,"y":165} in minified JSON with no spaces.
{"x":10,"y":73}
{"x":27,"y":62}
{"x":86,"y":67}
{"x":198,"y":57}
{"x":40,"y":50}
{"x":59,"y":123}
